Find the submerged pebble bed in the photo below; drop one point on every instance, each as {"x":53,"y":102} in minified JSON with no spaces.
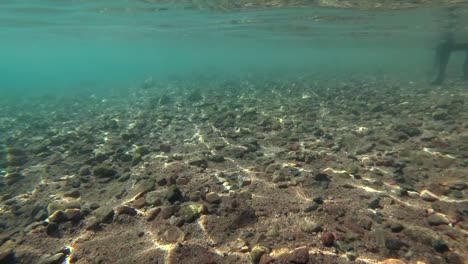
{"x":237,"y":171}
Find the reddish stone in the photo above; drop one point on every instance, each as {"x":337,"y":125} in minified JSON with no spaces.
{"x":299,"y":255}
{"x":328,"y":239}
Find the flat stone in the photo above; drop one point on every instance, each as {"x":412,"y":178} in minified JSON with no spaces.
{"x":123,"y":209}
{"x":428,"y":196}
{"x":212,"y":197}
{"x":152,"y":214}
{"x":57,"y":217}
{"x":174,"y":234}
{"x":299,"y":256}
{"x":437,"y":219}
{"x":139,"y":203}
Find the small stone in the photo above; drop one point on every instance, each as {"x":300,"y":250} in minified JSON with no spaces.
{"x":216,"y":158}
{"x":164,"y":147}
{"x":437,"y":219}
{"x":85,"y":170}
{"x":173,"y":194}
{"x":174,"y":234}
{"x":428,"y":196}
{"x":41,"y":215}
{"x":74,"y":215}
{"x":279,"y":176}
{"x":57,"y":217}
{"x":190,"y":212}
{"x":396,"y":227}
{"x":453,"y":258}
{"x":299,"y":256}
{"x":51,"y":227}
{"x":73,"y":194}
{"x":351,"y":256}
{"x":199,"y":162}
{"x":374,"y":203}
{"x":153,"y":213}
{"x":104,"y":171}
{"x":318,"y":200}
{"x":54,"y":259}
{"x":104,"y":214}
{"x":310,"y":226}
{"x":328,"y":239}
{"x":394,"y":244}
{"x":310,"y":207}
{"x":321,"y":177}
{"x":139,"y":203}
{"x":212,"y":197}
{"x":127,"y":210}
{"x":257,"y":252}
{"x":440,"y":246}
{"x":153,"y":198}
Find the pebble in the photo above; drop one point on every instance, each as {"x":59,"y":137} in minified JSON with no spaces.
{"x":173,"y":194}
{"x":104,"y":214}
{"x":394,"y":244}
{"x":437,"y":219}
{"x":57,"y":217}
{"x":153,"y":199}
{"x":428,"y":196}
{"x":328,"y":239}
{"x":257,"y":252}
{"x":440,"y":246}
{"x":153,"y":213}
{"x":74,"y":215}
{"x":73,"y":194}
{"x":374,"y":203}
{"x":174,"y":234}
{"x":123,"y":209}
{"x":139,"y":203}
{"x":212,"y":197}
{"x":299,"y":256}
{"x":396,"y":227}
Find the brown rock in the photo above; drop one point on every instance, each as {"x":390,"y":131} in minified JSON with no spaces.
{"x":299,"y":256}
{"x":212,"y":197}
{"x":428,"y":196}
{"x":328,"y":239}
{"x":139,"y":203}
{"x":152,"y":214}
{"x":123,"y":209}
{"x":437,"y":219}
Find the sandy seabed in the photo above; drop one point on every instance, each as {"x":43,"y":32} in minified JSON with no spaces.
{"x":237,"y":171}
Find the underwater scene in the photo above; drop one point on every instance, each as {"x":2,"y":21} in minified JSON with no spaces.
{"x":249,"y":131}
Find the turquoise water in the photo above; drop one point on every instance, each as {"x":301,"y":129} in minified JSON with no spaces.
{"x":55,"y":47}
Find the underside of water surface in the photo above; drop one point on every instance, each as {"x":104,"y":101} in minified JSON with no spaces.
{"x":200,"y":131}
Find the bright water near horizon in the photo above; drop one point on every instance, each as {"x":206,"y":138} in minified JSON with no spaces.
{"x":55,"y":47}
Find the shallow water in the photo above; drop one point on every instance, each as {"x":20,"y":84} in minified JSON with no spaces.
{"x":136,"y":132}
{"x":52,"y":46}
